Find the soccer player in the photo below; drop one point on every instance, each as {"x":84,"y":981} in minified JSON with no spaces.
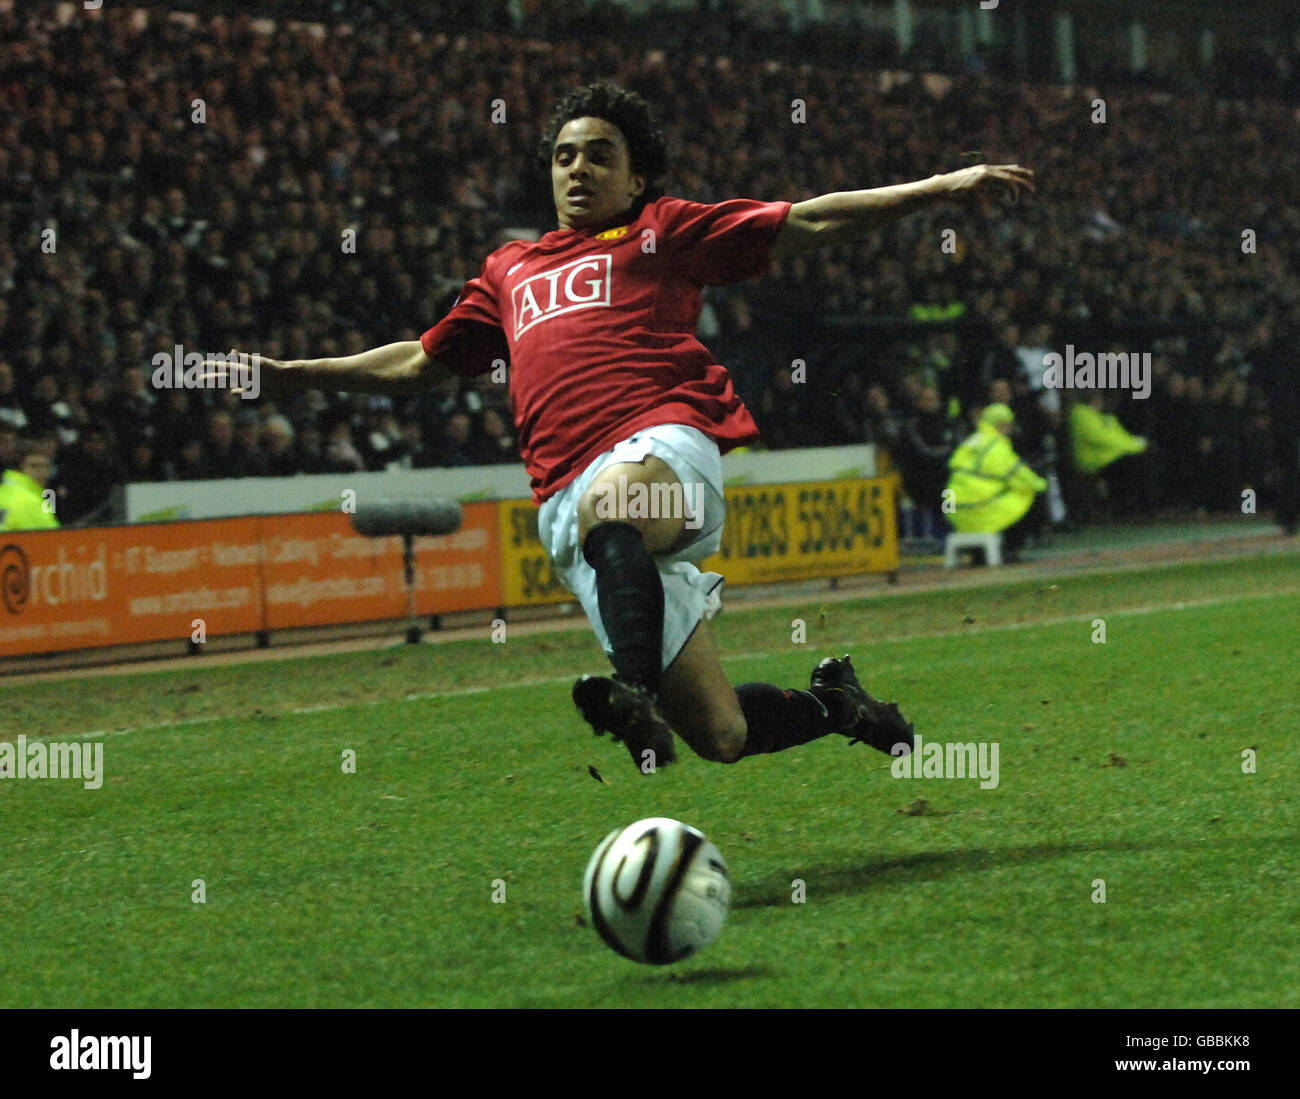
{"x":615,"y":400}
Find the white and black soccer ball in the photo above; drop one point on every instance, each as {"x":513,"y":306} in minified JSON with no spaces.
{"x":657,"y":891}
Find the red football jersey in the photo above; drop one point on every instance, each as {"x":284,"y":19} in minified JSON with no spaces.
{"x":599,"y":330}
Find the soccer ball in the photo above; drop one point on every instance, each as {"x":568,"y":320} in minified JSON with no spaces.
{"x":656,"y":891}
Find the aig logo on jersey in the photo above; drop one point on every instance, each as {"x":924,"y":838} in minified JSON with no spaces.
{"x":581,"y":284}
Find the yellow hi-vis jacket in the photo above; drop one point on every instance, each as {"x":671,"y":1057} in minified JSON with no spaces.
{"x":21,"y":505}
{"x":991,"y":487}
{"x":1098,"y":439}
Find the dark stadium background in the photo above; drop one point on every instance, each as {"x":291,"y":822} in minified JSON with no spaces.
{"x":226,"y":233}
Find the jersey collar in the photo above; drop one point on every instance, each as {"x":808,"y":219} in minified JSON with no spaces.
{"x":616,"y":229}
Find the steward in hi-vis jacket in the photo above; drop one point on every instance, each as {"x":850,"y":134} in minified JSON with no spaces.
{"x":1098,"y":438}
{"x":22,"y":500}
{"x":990,"y":486}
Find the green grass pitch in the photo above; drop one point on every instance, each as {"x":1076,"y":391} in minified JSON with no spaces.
{"x":1123,"y":762}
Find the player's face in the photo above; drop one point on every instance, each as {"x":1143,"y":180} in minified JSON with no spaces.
{"x":591,"y":177}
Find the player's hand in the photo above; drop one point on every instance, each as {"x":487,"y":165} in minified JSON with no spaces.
{"x":1009,"y":181}
{"x":242,"y":372}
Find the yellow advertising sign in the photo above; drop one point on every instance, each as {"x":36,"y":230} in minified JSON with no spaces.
{"x":527,"y":576}
{"x":801,"y":531}
{"x":808,"y":530}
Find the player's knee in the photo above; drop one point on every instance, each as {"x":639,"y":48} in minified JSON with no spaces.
{"x":726,"y":740}
{"x":594,"y":510}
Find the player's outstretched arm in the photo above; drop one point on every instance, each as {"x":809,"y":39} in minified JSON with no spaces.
{"x":848,"y":215}
{"x":401,"y":367}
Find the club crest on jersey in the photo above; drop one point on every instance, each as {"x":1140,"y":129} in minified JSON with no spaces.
{"x":613,"y":234}
{"x":579,"y":284}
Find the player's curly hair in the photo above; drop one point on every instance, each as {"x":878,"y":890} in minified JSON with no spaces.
{"x":647,"y":149}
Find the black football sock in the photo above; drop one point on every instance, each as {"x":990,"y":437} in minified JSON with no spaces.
{"x":631,"y":598}
{"x":780,"y":719}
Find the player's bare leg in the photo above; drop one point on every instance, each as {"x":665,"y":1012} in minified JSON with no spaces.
{"x":599,"y":504}
{"x":725,"y":724}
{"x":699,"y":702}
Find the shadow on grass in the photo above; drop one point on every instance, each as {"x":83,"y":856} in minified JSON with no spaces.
{"x":923,"y":866}
{"x":714,"y":976}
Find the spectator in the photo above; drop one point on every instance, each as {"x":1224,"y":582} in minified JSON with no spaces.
{"x":12,"y":413}
{"x":177,"y":423}
{"x":494,"y":444}
{"x":10,"y":450}
{"x":76,"y":419}
{"x":380,"y":442}
{"x":921,"y":451}
{"x":88,"y":475}
{"x":131,"y":409}
{"x":228,"y":455}
{"x":219,"y":444}
{"x":456,"y":445}
{"x":142,"y":462}
{"x":23,"y":505}
{"x":883,"y":423}
{"x":282,"y":459}
{"x":341,"y":454}
{"x":246,"y":450}
{"x":310,"y":450}
{"x":1278,"y":383}
{"x":46,"y":410}
{"x":191,"y":462}
{"x":785,"y":419}
{"x":415,"y":454}
{"x":95,"y":401}
{"x":851,"y":407}
{"x":1175,"y":440}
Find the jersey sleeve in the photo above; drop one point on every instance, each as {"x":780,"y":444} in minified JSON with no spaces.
{"x":469,"y":338}
{"x":723,"y":242}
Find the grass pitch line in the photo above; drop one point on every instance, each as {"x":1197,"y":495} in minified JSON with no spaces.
{"x":324,"y":707}
{"x":550,"y":681}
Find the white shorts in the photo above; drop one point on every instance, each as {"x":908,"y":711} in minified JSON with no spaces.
{"x":689,"y":594}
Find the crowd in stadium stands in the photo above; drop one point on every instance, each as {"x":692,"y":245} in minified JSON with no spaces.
{"x":128,"y":228}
